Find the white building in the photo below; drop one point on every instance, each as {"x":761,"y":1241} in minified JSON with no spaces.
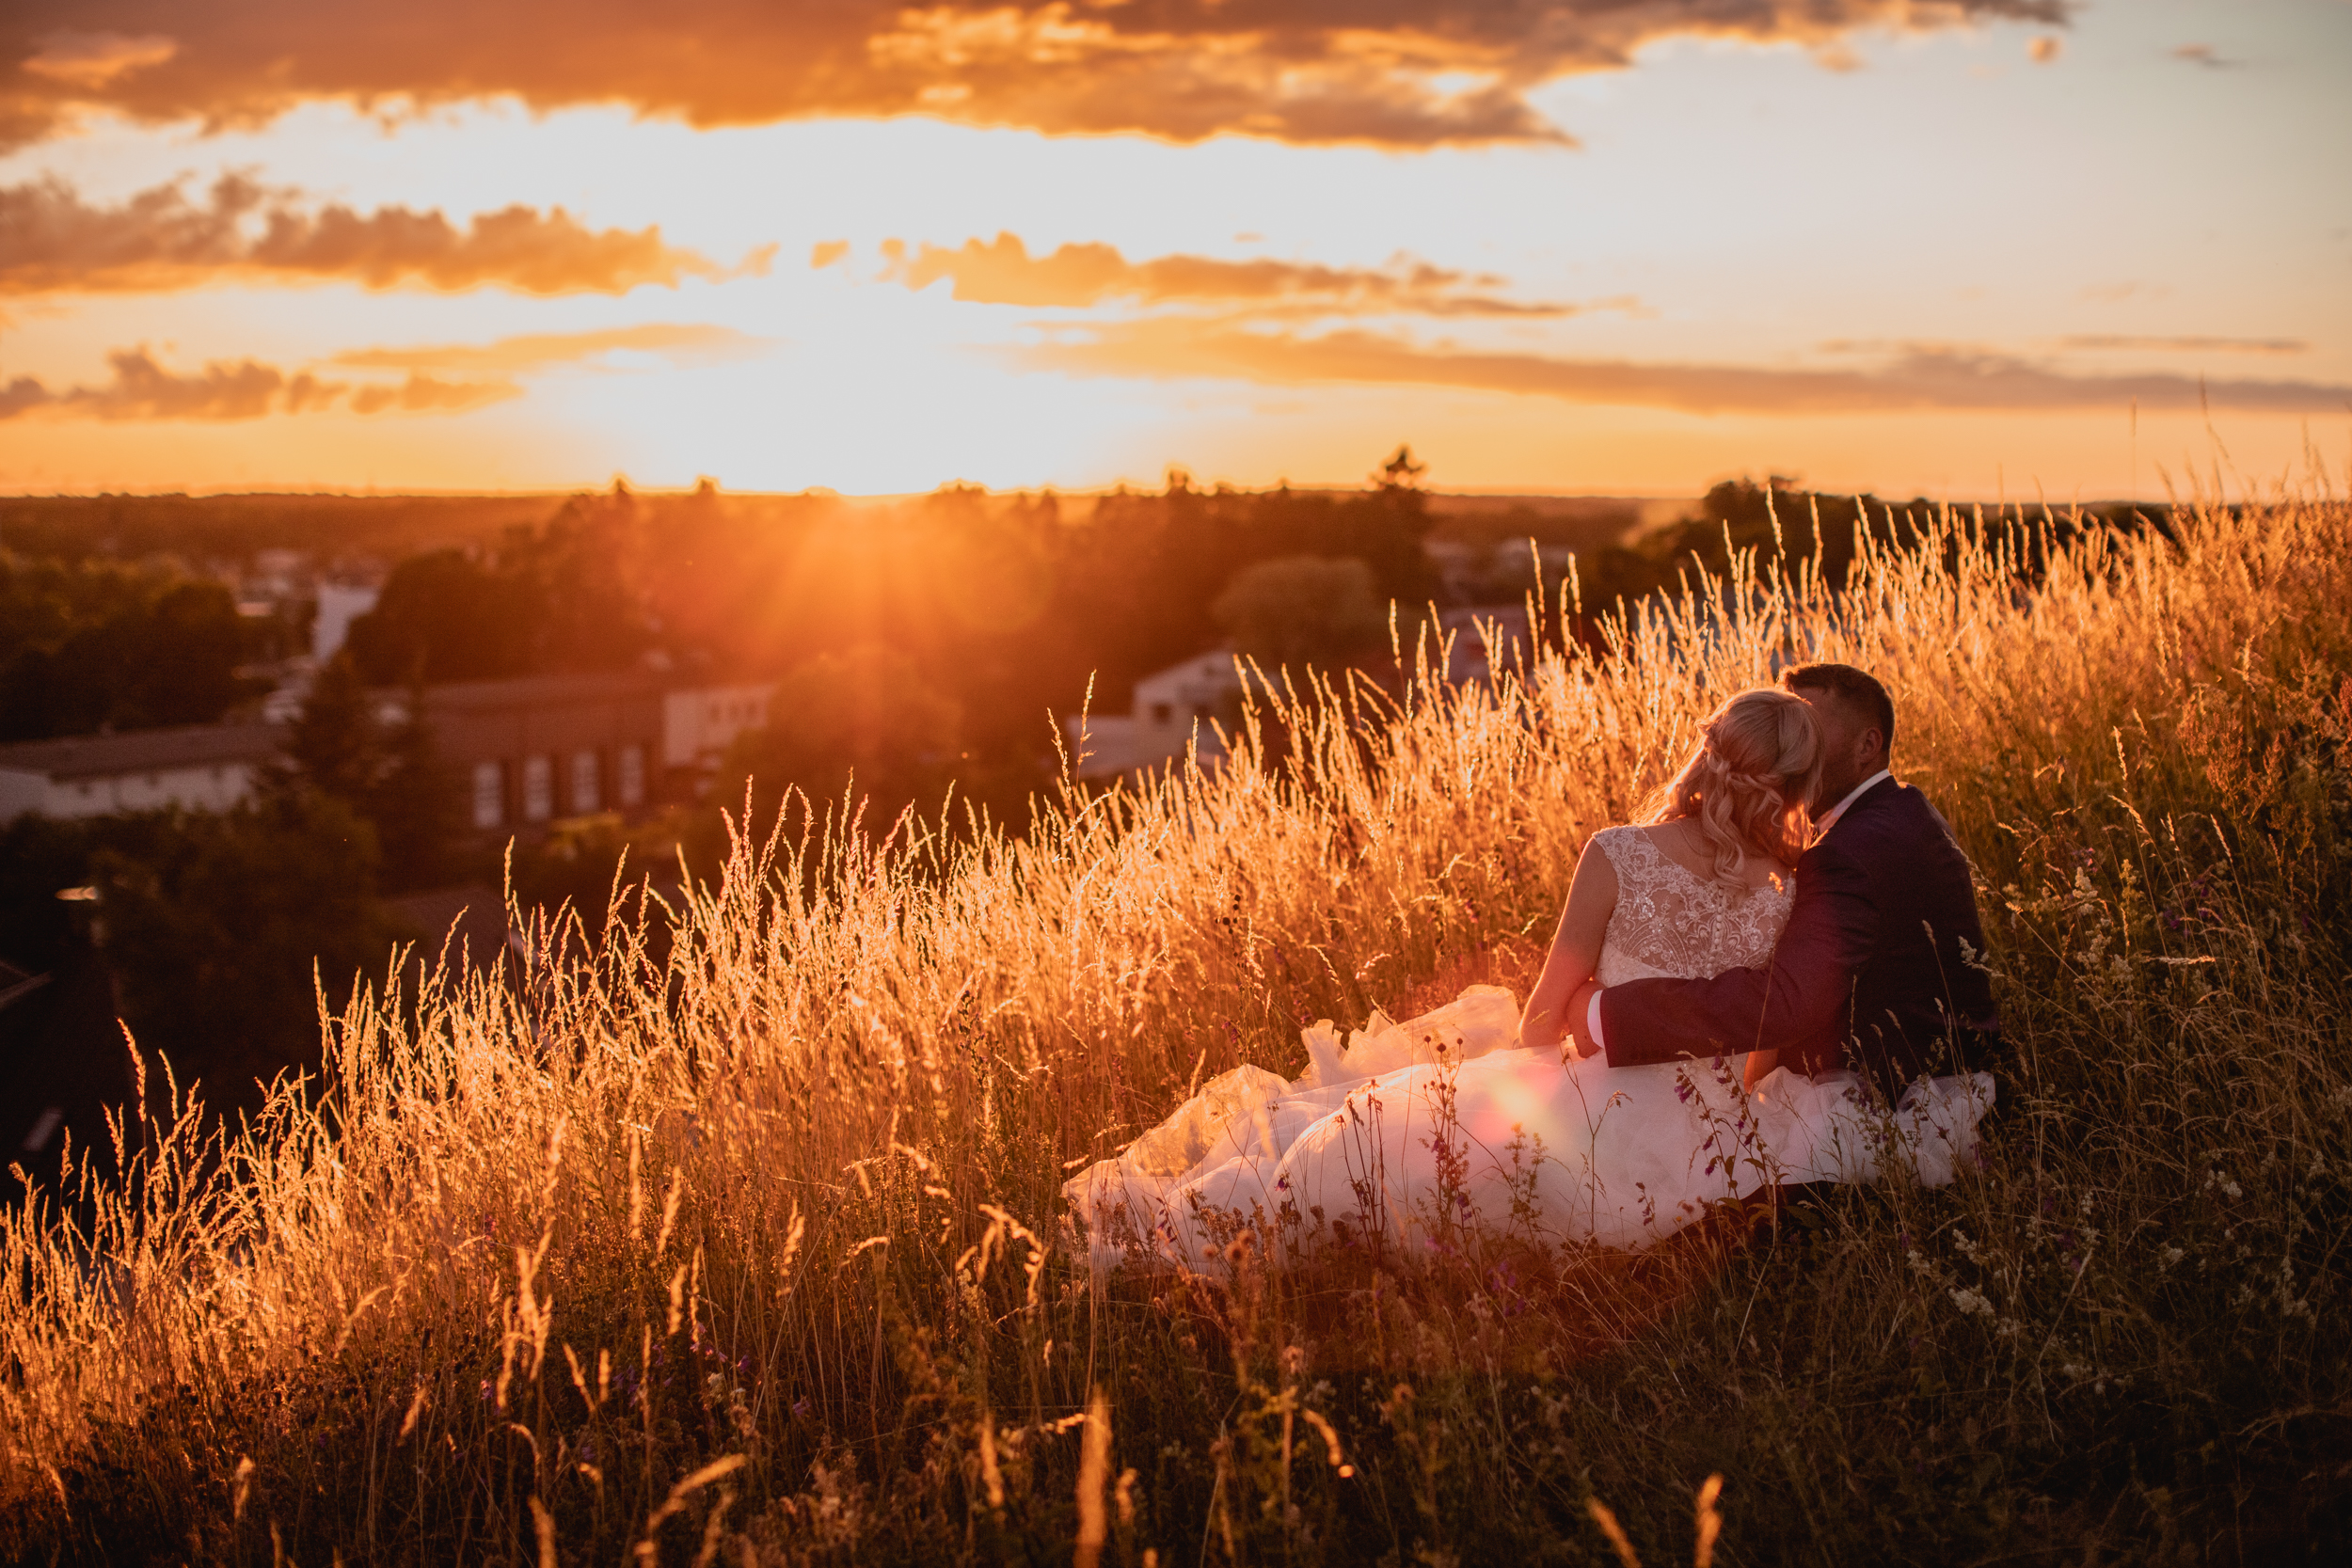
{"x":195,"y":767}
{"x":338,"y":605}
{"x":1172,"y":706}
{"x":699,"y":723}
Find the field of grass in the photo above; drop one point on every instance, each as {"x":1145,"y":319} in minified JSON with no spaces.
{"x":751,"y":1252}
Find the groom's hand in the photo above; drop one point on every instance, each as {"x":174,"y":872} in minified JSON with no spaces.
{"x":1579,"y":1016}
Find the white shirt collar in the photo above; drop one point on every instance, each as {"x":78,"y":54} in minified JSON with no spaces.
{"x":1830,"y":821}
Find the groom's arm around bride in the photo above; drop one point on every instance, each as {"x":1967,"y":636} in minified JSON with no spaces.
{"x":1879,"y":966}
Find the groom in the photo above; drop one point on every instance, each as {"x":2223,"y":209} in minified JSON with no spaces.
{"x":1878,"y":967}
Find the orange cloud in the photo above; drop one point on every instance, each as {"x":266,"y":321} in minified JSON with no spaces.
{"x":1303,"y":70}
{"x":1919,"y":379}
{"x":140,"y":389}
{"x":1002,"y":272}
{"x":50,"y":240}
{"x":424,"y":394}
{"x":90,"y":60}
{"x":2096,"y":342}
{"x":2204,"y":54}
{"x":678,"y":342}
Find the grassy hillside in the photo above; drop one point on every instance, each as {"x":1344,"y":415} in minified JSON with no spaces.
{"x":752,"y":1256}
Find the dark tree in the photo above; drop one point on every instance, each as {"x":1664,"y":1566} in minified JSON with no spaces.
{"x":213,"y":930}
{"x":862,"y":726}
{"x":334,"y":745}
{"x":88,"y":645}
{"x":1302,"y":610}
{"x":180,"y":658}
{"x":344,"y":747}
{"x":414,"y":802}
{"x":444,"y":617}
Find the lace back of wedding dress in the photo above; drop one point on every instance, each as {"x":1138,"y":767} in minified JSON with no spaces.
{"x":1672,"y":923}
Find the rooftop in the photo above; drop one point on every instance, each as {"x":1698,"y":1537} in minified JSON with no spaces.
{"x":538,"y":691}
{"x":89,"y":756}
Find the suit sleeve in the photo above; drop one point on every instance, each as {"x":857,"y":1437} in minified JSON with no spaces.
{"x":1832,"y":927}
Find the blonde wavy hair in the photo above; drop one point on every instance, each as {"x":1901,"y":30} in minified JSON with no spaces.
{"x":1746,"y":783}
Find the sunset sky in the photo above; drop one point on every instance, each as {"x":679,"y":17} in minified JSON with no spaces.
{"x":1922,"y":246}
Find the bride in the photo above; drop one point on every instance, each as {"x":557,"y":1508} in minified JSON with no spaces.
{"x":1478,"y":1116}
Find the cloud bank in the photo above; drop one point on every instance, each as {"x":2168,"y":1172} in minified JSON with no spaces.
{"x":1389,"y":71}
{"x":51,"y":241}
{"x":680,"y":343}
{"x":1916,"y":380}
{"x":1002,"y":272}
{"x":140,"y":388}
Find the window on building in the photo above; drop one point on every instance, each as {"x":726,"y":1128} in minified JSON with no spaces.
{"x":629,"y":780}
{"x":586,"y":797}
{"x":489,"y":794}
{"x":538,"y":789}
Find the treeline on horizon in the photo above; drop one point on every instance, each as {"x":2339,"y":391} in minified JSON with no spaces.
{"x":116,"y":611}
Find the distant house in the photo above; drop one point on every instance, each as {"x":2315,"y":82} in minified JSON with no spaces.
{"x":1174,"y":705}
{"x":528,"y":751}
{"x":1171,"y":707}
{"x":338,"y":605}
{"x":521,"y":753}
{"x":193,"y":767}
{"x":532,"y":751}
{"x":699,"y":723}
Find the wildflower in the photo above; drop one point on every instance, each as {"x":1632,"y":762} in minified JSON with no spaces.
{"x":2169,"y":1255}
{"x":1973,"y":1303}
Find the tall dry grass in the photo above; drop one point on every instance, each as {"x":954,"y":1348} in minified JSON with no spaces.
{"x":734,"y":1239}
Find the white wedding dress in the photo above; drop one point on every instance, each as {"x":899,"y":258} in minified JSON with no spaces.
{"x":1416,"y":1133}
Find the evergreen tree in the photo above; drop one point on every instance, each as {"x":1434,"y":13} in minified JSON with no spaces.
{"x":412,"y":802}
{"x":384,"y":772}
{"x":335,"y":746}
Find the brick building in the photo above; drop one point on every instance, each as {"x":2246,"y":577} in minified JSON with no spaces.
{"x":529,"y":752}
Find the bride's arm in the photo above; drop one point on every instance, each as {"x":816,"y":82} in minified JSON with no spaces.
{"x":1575,"y":953}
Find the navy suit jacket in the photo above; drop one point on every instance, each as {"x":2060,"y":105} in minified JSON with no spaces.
{"x":1871,"y":971}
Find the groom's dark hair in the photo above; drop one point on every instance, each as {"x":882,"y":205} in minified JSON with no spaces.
{"x":1858,"y":687}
